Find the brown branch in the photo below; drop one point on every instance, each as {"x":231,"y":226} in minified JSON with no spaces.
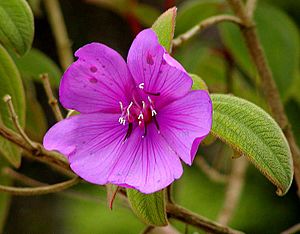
{"x":15,"y":120}
{"x":196,"y":220}
{"x":203,"y":25}
{"x":268,"y":84}
{"x":39,"y":190}
{"x":51,"y":99}
{"x":293,"y":229}
{"x":209,"y":171}
{"x":59,"y":30}
{"x":250,"y":7}
{"x":234,"y":189}
{"x":39,"y":150}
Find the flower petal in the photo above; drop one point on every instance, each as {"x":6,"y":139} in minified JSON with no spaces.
{"x":186,"y":122}
{"x":94,"y":144}
{"x":159,"y":73}
{"x":97,"y":81}
{"x":146,"y":164}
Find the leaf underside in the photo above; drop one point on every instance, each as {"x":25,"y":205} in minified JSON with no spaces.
{"x":252,"y":132}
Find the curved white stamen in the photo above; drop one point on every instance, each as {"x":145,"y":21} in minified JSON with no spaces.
{"x":122,"y":120}
{"x":153,"y":112}
{"x":128,"y":108}
{"x":144,"y":104}
{"x":141,"y":116}
{"x":141,"y":85}
{"x":121,"y":106}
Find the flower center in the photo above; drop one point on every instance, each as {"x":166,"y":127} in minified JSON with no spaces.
{"x":141,"y":112}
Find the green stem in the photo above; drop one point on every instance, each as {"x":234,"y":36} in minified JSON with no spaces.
{"x":203,"y":25}
{"x":39,"y":190}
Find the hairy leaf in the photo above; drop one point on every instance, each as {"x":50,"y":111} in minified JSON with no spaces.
{"x":150,"y":208}
{"x":251,"y":131}
{"x":198,"y":83}
{"x":16,"y":25}
{"x":10,"y":83}
{"x":4,"y":197}
{"x":164,"y":27}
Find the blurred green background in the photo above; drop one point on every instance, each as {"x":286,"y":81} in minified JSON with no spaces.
{"x":218,"y":55}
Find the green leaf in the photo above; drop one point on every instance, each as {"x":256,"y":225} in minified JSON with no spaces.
{"x":191,"y":13}
{"x":4,"y":197}
{"x":16,"y":25}
{"x":251,"y":131}
{"x":164,"y":27}
{"x":280,"y":42}
{"x":10,"y":83}
{"x":198,"y":83}
{"x":150,"y":208}
{"x":35,"y":63}
{"x":145,"y":14}
{"x":36,"y":124}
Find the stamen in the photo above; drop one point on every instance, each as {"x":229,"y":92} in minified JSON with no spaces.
{"x":145,"y":131}
{"x":153,"y":94}
{"x":150,"y":100}
{"x":141,"y":116}
{"x":121,"y":106}
{"x":141,"y":85}
{"x":129,"y":131}
{"x":122,"y":120}
{"x":153,"y":112}
{"x":128,"y":108}
{"x":156,"y":124}
{"x":144,"y":105}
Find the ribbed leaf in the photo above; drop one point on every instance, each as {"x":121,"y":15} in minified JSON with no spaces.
{"x":10,"y":83}
{"x":16,"y":25}
{"x":251,"y":131}
{"x":164,"y":27}
{"x":198,"y":83}
{"x":150,"y":208}
{"x":4,"y":197}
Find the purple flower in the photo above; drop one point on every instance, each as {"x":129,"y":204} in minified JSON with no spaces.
{"x":136,"y":121}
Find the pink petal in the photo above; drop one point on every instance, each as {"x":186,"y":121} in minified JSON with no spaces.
{"x":151,"y":66}
{"x":146,"y":164}
{"x":97,"y":81}
{"x":91,"y":142}
{"x":186,"y":122}
{"x":94,"y":144}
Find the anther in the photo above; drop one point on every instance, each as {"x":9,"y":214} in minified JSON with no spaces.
{"x":128,"y":108}
{"x":121,"y":106}
{"x":141,"y":116}
{"x":141,"y":85}
{"x":153,"y":112}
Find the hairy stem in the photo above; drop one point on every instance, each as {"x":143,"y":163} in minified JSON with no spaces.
{"x":39,"y":190}
{"x":193,"y":219}
{"x":38,"y":150}
{"x":250,"y":7}
{"x":15,"y":120}
{"x":269,"y":87}
{"x":234,"y":190}
{"x":51,"y":99}
{"x":203,"y":25}
{"x":209,"y":171}
{"x":59,"y":30}
{"x":293,"y":229}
